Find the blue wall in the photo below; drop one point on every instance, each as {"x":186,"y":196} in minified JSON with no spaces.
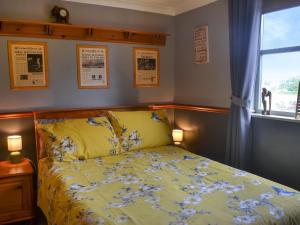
{"x":205,"y":84}
{"x":63,"y":91}
{"x":276,"y":150}
{"x":204,"y":133}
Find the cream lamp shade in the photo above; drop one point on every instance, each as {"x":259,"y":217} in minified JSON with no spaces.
{"x":177,"y":136}
{"x":14,"y":143}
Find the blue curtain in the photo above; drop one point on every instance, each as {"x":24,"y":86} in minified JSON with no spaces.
{"x":244,"y":32}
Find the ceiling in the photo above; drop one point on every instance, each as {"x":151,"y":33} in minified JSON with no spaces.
{"x":168,"y":7}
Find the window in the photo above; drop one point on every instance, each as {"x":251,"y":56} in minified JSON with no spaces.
{"x":280,"y":59}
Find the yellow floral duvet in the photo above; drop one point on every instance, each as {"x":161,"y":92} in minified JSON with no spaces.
{"x":165,"y":185}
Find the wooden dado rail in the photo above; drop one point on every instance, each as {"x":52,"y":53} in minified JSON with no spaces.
{"x":5,"y":116}
{"x":198,"y":108}
{"x":35,"y":29}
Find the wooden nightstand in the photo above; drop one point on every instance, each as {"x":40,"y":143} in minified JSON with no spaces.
{"x":16,"y":192}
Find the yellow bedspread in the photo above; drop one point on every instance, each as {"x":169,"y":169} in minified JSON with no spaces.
{"x":165,"y":185}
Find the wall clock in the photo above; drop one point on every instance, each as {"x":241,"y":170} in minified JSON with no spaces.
{"x":61,"y":14}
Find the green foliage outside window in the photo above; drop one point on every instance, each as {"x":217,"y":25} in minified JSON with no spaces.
{"x":289,"y":86}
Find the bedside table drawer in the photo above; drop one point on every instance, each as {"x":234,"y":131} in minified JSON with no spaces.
{"x":11,"y":195}
{"x":16,"y":197}
{"x":17,"y":201}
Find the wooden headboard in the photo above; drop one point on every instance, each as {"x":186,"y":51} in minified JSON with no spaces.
{"x":72,"y":114}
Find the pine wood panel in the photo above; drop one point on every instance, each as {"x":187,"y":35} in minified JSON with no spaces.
{"x":78,"y":32}
{"x":199,"y":108}
{"x":5,"y":116}
{"x":11,"y":193}
{"x":8,"y":169}
{"x":207,"y":109}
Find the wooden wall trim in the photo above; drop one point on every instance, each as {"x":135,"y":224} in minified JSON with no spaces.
{"x":23,"y":28}
{"x":208,"y":109}
{"x":5,"y":116}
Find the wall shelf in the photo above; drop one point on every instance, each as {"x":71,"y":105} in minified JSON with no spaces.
{"x":78,"y":32}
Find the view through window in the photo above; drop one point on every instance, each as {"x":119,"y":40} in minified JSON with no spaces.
{"x":280,"y":58}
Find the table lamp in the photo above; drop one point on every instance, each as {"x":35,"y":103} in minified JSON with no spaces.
{"x":177,"y":136}
{"x":14,"y":145}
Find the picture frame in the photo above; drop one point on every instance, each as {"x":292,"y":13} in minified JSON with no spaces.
{"x":297,"y":115}
{"x":28,"y":65}
{"x":201,"y":46}
{"x":92,"y":67}
{"x":146,"y":66}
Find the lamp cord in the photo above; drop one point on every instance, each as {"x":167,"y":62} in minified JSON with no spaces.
{"x":33,"y":165}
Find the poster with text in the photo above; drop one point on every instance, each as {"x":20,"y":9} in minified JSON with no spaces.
{"x":201,"y":45}
{"x":28,"y":65}
{"x":146,"y":67}
{"x":92,"y":66}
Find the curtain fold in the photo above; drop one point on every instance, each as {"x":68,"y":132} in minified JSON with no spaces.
{"x":244,"y":33}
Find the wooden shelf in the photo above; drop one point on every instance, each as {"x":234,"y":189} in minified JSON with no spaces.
{"x":77,"y":32}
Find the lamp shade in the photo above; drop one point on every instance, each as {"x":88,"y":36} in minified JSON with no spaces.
{"x":14,"y":143}
{"x":177,"y":135}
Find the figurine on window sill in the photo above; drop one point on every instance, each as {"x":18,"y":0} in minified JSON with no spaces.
{"x":265,"y":93}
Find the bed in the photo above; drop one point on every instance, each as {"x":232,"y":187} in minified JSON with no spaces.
{"x":158,"y":185}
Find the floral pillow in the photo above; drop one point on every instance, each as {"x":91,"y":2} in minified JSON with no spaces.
{"x":79,"y":139}
{"x":141,"y":129}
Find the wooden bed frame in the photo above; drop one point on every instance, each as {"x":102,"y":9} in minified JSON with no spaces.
{"x":75,"y":113}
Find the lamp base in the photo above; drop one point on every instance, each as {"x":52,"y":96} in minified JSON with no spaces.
{"x":177,"y":142}
{"x":15,"y":157}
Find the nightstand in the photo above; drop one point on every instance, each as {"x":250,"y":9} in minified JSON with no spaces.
{"x":16,"y":192}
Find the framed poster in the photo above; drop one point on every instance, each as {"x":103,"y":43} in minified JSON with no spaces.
{"x":298,"y":104}
{"x":201,"y":45}
{"x":92,"y":67}
{"x":146,"y":67}
{"x":28,"y":65}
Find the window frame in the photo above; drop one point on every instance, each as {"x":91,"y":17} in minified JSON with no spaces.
{"x":258,"y":86}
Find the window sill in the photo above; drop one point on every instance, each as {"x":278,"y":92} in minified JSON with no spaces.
{"x":273,"y":117}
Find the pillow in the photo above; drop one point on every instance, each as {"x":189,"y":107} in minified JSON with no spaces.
{"x":79,"y":139}
{"x":141,"y":129}
{"x":42,"y":150}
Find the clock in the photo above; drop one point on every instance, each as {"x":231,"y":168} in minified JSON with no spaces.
{"x":61,"y":14}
